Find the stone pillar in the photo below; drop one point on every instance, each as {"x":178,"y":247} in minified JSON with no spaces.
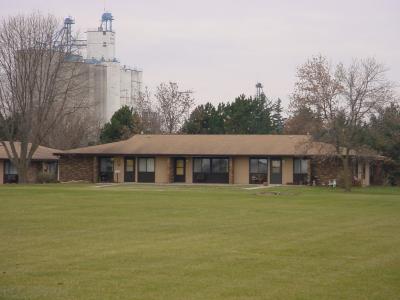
{"x":170,"y":170}
{"x":231,"y":171}
{"x":189,"y":170}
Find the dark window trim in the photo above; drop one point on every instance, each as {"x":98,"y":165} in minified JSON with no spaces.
{"x":301,"y":178}
{"x":146,"y":177}
{"x":210,"y":177}
{"x":177,"y":178}
{"x":280,"y":169}
{"x":107,"y":175}
{"x":300,"y":158}
{"x":258,"y":175}
{"x":9,"y":178}
{"x":134,"y":168}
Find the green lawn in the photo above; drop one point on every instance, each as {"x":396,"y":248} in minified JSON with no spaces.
{"x":168,"y":242}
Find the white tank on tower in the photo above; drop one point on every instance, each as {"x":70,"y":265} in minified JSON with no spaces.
{"x":101,"y":42}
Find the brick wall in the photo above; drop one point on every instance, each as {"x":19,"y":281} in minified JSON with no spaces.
{"x":325,"y":169}
{"x":78,"y":168}
{"x":1,"y":171}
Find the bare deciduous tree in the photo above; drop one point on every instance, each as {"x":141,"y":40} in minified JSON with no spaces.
{"x":173,"y":105}
{"x":39,"y":85}
{"x":149,"y":116}
{"x":73,"y":131}
{"x":342,"y":99}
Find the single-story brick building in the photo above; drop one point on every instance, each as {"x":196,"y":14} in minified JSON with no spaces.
{"x":236,"y":159}
{"x":43,"y":161}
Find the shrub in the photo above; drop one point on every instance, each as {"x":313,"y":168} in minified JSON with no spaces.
{"x":44,"y":177}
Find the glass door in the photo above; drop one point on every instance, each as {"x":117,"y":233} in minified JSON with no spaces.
{"x":106,"y":172}
{"x":276,"y":171}
{"x":179,"y":167}
{"x":129,"y":172}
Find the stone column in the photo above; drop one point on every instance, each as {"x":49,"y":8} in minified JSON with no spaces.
{"x":231,"y":170}
{"x":170,"y":170}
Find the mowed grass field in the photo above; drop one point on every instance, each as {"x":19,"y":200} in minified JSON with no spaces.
{"x":196,"y":242}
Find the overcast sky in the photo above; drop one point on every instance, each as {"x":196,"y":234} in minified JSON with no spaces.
{"x":221,"y":48}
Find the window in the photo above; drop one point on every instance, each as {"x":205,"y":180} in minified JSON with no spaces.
{"x":146,"y":165}
{"x":10,"y":172}
{"x":180,"y":167}
{"x":130,"y":165}
{"x":129,"y":174}
{"x":202,"y":165}
{"x":211,"y":170}
{"x":275,"y":166}
{"x":106,"y":172}
{"x":300,"y":171}
{"x":300,"y":166}
{"x":219,"y":165}
{"x":258,"y":170}
{"x":258,"y":165}
{"x":146,"y":169}
{"x":106,"y":164}
{"x":10,"y":169}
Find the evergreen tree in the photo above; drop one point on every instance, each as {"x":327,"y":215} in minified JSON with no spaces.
{"x":204,"y":119}
{"x":248,"y":116}
{"x":277,"y":118}
{"x":123,"y":124}
{"x":384,"y":136}
{"x":242,"y":116}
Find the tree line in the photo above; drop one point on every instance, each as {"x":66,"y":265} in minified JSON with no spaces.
{"x":43,"y":100}
{"x":170,"y":114}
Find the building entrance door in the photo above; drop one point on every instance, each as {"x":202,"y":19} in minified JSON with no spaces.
{"x":179,"y":169}
{"x":129,"y":172}
{"x":276,"y":171}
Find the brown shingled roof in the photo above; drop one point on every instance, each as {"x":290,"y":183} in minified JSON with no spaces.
{"x":209,"y":145}
{"x":42,"y":153}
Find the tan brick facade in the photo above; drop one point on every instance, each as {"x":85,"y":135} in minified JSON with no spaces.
{"x":162,"y":169}
{"x":241,"y":170}
{"x":287,"y":170}
{"x":85,"y":168}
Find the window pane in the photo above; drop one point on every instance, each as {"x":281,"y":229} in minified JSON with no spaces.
{"x":179,"y":171}
{"x":297,"y":166}
{"x":205,"y":165}
{"x":220,"y":165}
{"x":253,"y":165}
{"x":262,"y":165}
{"x":150,"y":165}
{"x":142,"y":165}
{"x":52,"y":168}
{"x":106,"y":164}
{"x":197,"y":165}
{"x":304,"y":166}
{"x":130,"y":165}
{"x":276,"y":166}
{"x":10,"y":169}
{"x":179,"y":163}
